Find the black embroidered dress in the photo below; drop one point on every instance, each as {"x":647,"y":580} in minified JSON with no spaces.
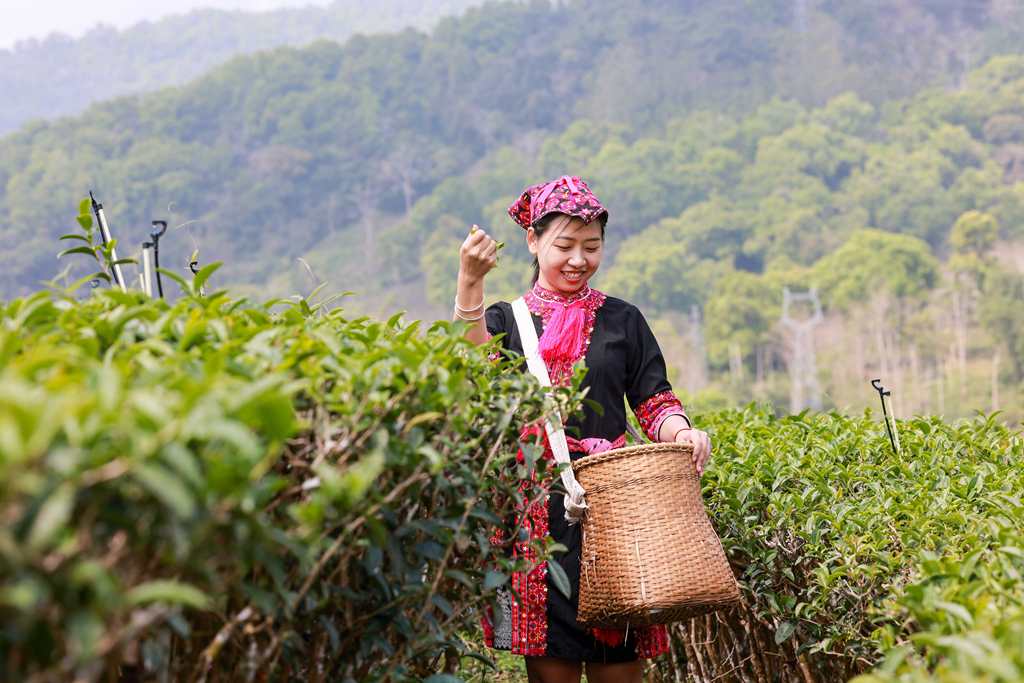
{"x":623,"y":360}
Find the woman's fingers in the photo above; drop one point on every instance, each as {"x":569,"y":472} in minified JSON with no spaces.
{"x":701,"y":449}
{"x":479,"y":242}
{"x":478,"y":249}
{"x":475,"y":239}
{"x":707,"y":451}
{"x":487,"y":253}
{"x":478,"y":253}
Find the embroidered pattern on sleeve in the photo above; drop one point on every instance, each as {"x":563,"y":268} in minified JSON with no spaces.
{"x":655,"y":410}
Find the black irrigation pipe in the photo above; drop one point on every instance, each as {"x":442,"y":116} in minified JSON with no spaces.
{"x":193,"y":266}
{"x":158,"y":230}
{"x":882,"y":394}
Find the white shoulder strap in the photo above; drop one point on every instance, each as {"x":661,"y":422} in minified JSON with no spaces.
{"x":531,"y":346}
{"x":574,"y":502}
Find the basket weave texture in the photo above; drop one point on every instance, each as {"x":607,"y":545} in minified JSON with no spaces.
{"x":650,"y":554}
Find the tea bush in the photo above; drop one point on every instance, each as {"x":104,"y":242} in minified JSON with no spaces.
{"x":217,"y":490}
{"x":853,"y":558}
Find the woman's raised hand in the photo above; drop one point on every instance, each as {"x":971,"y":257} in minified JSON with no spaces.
{"x":477,"y":255}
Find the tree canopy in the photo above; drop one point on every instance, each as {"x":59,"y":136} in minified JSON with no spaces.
{"x":326,"y":151}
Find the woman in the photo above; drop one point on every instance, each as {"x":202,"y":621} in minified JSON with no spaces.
{"x":565,"y":223}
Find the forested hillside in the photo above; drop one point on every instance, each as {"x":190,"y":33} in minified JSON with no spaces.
{"x":742,"y":148}
{"x":60,"y":75}
{"x":804,"y":195}
{"x":908,"y":219}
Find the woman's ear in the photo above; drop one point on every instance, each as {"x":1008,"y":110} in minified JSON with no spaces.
{"x":532,"y":241}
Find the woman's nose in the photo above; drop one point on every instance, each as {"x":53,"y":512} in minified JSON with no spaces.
{"x":576,"y":260}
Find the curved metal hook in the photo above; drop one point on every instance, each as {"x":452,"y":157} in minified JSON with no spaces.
{"x":889,"y":429}
{"x":156,"y":232}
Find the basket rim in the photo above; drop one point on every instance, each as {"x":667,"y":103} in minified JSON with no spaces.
{"x":627,"y":451}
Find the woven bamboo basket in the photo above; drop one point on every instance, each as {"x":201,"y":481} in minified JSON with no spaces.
{"x":650,"y":554}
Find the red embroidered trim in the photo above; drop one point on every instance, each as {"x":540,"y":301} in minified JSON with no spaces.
{"x":651,"y":641}
{"x":532,"y":637}
{"x":530,"y":589}
{"x":593,"y":300}
{"x":497,"y":540}
{"x":487,"y":624}
{"x":530,"y":599}
{"x":592,"y":446}
{"x":654,"y":410}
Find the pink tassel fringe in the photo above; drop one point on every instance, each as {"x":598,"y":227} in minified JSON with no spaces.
{"x":563,"y":335}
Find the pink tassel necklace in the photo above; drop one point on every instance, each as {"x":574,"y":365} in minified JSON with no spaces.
{"x":565,"y":331}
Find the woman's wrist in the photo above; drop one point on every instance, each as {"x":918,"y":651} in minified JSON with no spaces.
{"x":468,"y":281}
{"x":675,"y":436}
{"x":672,"y":426}
{"x":469,"y":310}
{"x":469,"y":296}
{"x":468,"y":317}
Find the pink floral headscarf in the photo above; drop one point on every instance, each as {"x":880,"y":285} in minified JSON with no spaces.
{"x":568,"y":194}
{"x":563,"y":340}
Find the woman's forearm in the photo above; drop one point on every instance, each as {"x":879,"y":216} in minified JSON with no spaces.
{"x":671,"y":426}
{"x":469,"y":297}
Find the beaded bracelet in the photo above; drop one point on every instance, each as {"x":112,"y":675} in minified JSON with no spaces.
{"x":467,"y":310}
{"x":458,"y":314}
{"x":681,"y":429}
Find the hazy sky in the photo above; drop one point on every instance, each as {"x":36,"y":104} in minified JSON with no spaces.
{"x":20,"y":19}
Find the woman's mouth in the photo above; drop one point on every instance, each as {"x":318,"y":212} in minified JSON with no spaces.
{"x":573,"y":276}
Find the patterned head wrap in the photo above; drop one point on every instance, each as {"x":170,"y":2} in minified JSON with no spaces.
{"x":568,"y":195}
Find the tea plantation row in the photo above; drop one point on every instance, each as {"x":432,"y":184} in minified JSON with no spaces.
{"x":215,"y":491}
{"x":220,"y":490}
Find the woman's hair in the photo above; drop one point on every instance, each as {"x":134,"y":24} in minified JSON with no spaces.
{"x":541,"y":226}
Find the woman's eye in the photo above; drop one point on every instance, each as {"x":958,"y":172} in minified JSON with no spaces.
{"x":592,"y":250}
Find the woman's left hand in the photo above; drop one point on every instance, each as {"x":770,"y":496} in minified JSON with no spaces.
{"x":701,"y":446}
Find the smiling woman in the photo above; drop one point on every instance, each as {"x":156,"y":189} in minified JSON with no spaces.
{"x":570,"y":249}
{"x":565,"y":230}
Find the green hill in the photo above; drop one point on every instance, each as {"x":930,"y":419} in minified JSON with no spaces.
{"x":59,"y":76}
{"x":278,"y":153}
{"x":874,"y":152}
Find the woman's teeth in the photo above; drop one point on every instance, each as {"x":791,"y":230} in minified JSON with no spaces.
{"x":572,"y":276}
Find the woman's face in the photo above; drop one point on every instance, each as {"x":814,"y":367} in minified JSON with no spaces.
{"x":568,"y":252}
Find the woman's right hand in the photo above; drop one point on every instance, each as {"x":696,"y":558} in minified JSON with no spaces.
{"x":477,"y":255}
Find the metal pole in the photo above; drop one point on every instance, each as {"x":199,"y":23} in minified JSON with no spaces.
{"x":147,"y":268}
{"x":883,"y":393}
{"x":892,"y":418}
{"x":101,"y":219}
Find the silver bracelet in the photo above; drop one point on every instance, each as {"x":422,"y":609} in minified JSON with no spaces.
{"x":467,"y":310}
{"x":458,"y":314}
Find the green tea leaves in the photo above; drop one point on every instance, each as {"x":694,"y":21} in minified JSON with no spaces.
{"x":172,"y":592}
